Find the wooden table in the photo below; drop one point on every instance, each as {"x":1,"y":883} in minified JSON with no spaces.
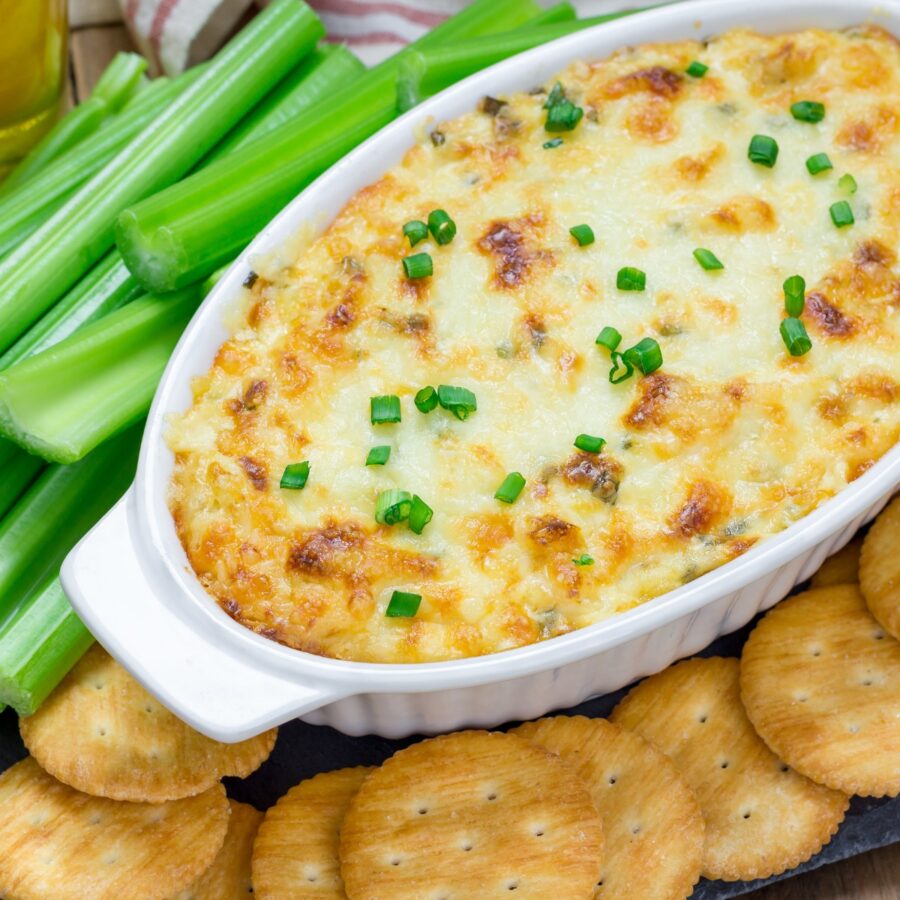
{"x":872,"y":876}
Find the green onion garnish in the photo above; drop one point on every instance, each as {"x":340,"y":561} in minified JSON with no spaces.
{"x":841,"y":214}
{"x":416,"y":231}
{"x":441,"y":226}
{"x":378,"y":456}
{"x":645,"y":355}
{"x":847,"y":183}
{"x":418,"y":266}
{"x":808,"y":111}
{"x":763,"y":150}
{"x":392,"y":506}
{"x":707,"y":259}
{"x":583,"y":560}
{"x":556,"y":95}
{"x":589,"y":443}
{"x":383,"y":410}
{"x":553,"y":143}
{"x":459,"y":400}
{"x":511,"y":488}
{"x":609,"y":338}
{"x":420,"y":514}
{"x":562,"y":113}
{"x":619,"y":362}
{"x":818,"y":163}
{"x":631,"y":279}
{"x":697,"y":69}
{"x":794,"y":294}
{"x":295,"y":476}
{"x":584,"y":234}
{"x":426,"y":399}
{"x":795,"y":337}
{"x":403,"y":605}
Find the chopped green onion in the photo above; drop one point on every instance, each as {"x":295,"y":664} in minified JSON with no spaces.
{"x":619,"y":361}
{"x":416,"y":231}
{"x":589,"y":443}
{"x":794,"y":335}
{"x":441,"y":226}
{"x":418,"y":266}
{"x":707,"y":259}
{"x":562,"y":113}
{"x":378,"y":456}
{"x":794,"y":295}
{"x":584,"y":234}
{"x":392,"y":506}
{"x":459,"y":400}
{"x":818,"y":163}
{"x":763,"y":150}
{"x":841,"y":214}
{"x":384,"y":410}
{"x":557,"y":95}
{"x":512,"y":486}
{"x":426,"y":399}
{"x":645,"y":355}
{"x":295,"y":476}
{"x":847,"y":183}
{"x":697,"y":69}
{"x":403,"y":605}
{"x":583,"y":560}
{"x":609,"y":338}
{"x":808,"y":111}
{"x":631,"y":279}
{"x":553,"y":143}
{"x":420,"y":514}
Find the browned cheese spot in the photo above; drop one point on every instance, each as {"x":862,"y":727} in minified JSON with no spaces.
{"x":650,"y":406}
{"x":256,"y":472}
{"x":506,"y":242}
{"x":599,"y":473}
{"x":706,"y":504}
{"x":744,"y":214}
{"x":696,"y":168}
{"x":656,"y":80}
{"x":827,"y":317}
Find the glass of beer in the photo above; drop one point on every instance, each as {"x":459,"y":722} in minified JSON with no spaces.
{"x":32,"y":73}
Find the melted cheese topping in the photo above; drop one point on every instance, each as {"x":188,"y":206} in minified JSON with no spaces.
{"x":729,"y":442}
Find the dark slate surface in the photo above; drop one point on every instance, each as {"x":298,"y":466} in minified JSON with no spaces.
{"x":303,"y":750}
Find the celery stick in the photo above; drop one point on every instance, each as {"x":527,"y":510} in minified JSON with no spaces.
{"x":115,"y":87}
{"x":106,"y":288}
{"x":187,"y":231}
{"x":39,"y":643}
{"x":63,"y":402}
{"x":38,"y":271}
{"x":329,"y":67}
{"x":56,"y":511}
{"x":18,"y":470}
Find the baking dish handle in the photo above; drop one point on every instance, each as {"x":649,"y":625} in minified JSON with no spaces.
{"x":208,"y":686}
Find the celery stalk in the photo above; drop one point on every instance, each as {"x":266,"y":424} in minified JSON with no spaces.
{"x":329,"y":67}
{"x":39,"y":643}
{"x":187,"y":231}
{"x":19,"y":470}
{"x":63,"y":402}
{"x":106,"y":288}
{"x":62,"y":249}
{"x":114,"y":88}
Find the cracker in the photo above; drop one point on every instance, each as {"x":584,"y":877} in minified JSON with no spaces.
{"x":228,"y":878}
{"x":472,"y":814}
{"x":821,"y":682}
{"x":652,"y":825}
{"x":842,"y":568}
{"x":59,"y":844}
{"x":761,"y":817}
{"x":100,"y":732}
{"x":879,"y":569}
{"x":296,"y":851}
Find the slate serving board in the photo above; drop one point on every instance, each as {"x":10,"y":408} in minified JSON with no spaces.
{"x":304,"y":750}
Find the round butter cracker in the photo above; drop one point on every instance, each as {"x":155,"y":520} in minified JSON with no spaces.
{"x":842,"y":567}
{"x":652,"y":825}
{"x":762,"y":818}
{"x":57,"y":843}
{"x":820,"y":679}
{"x":100,"y":732}
{"x":879,"y":569}
{"x":296,"y":850}
{"x":472,"y":814}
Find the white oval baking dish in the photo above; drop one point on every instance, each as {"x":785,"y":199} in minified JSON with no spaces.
{"x":131,"y":583}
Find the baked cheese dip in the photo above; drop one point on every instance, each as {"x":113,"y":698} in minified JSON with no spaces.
{"x":584,"y":344}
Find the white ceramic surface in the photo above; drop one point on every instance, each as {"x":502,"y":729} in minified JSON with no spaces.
{"x":130,"y":580}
